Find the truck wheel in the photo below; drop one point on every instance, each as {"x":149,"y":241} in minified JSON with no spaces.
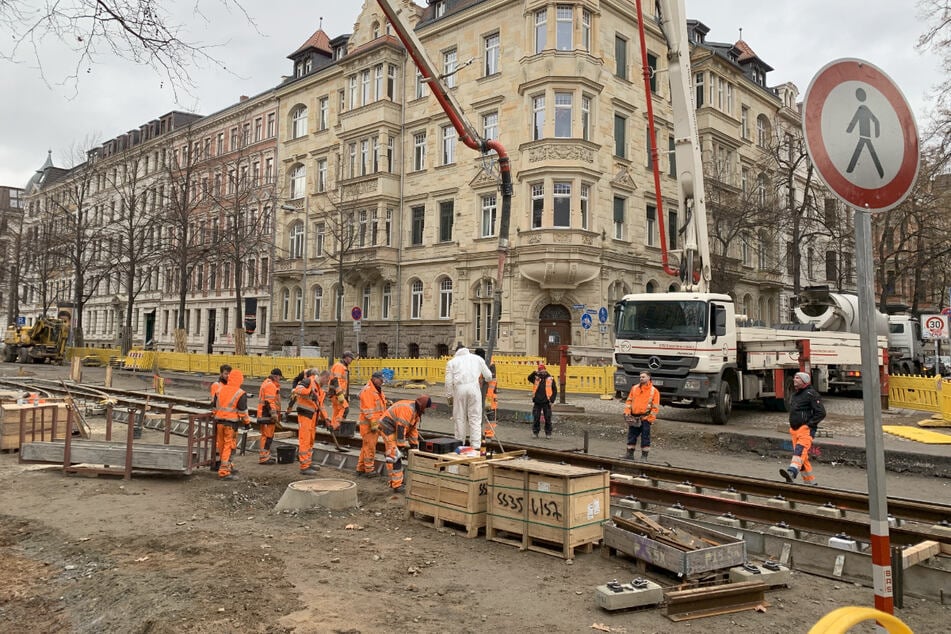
{"x":720,"y":414}
{"x":9,"y":354}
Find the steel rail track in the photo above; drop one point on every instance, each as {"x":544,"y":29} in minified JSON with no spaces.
{"x":711,"y":502}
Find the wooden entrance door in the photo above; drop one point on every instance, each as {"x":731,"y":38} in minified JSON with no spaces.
{"x":554,"y":330}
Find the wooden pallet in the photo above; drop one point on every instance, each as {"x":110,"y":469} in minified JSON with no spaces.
{"x":564,"y":550}
{"x":470,"y":523}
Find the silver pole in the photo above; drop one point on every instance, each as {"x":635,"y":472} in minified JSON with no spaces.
{"x":871,"y":389}
{"x":303,"y":276}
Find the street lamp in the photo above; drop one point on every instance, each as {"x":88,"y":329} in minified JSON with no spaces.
{"x":303,"y":275}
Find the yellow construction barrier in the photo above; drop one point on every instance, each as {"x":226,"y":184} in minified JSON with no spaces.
{"x":914,"y":392}
{"x":843,"y":619}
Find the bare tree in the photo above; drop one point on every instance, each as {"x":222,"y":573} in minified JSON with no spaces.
{"x":243,"y":208}
{"x":141,"y":31}
{"x":132,"y":234}
{"x":43,"y":263}
{"x":937,"y":38}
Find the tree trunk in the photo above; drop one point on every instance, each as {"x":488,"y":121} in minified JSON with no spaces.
{"x":181,"y":335}
{"x":240,"y":341}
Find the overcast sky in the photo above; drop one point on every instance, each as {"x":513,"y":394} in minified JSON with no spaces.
{"x":113,"y":96}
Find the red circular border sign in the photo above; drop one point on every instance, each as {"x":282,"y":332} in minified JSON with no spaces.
{"x":831,"y":75}
{"x":356,"y":313}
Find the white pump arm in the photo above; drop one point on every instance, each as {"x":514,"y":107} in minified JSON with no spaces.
{"x":696,"y":255}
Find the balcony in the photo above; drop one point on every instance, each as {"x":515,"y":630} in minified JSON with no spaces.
{"x":365,"y":266}
{"x":288,"y":267}
{"x":558,"y":258}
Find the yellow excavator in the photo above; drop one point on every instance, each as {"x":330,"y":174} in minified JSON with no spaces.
{"x":44,"y":341}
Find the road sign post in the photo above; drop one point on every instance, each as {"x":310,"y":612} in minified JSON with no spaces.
{"x":862,"y":138}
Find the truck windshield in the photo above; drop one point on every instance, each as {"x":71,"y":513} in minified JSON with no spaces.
{"x":674,"y":321}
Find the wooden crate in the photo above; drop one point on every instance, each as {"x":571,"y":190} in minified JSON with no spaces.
{"x":546,"y":507}
{"x":10,"y":423}
{"x":449,"y":488}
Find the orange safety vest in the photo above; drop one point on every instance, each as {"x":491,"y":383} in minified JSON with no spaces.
{"x":491,"y":398}
{"x":643,"y":402}
{"x":215,"y":388}
{"x":549,"y":380}
{"x":269,"y":398}
{"x":310,"y":396}
{"x":400,"y":414}
{"x":372,"y":403}
{"x":339,"y":373}
{"x":228,"y":412}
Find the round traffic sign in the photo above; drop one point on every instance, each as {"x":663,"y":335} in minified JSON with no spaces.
{"x":935,"y":325}
{"x":603,"y":315}
{"x":586,"y":321}
{"x":861,"y":134}
{"x":356,"y":313}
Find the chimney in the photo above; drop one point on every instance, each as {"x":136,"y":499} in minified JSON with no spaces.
{"x":242,"y":98}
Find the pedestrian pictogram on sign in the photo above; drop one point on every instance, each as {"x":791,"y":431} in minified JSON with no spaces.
{"x":861,"y":134}
{"x":586,"y":321}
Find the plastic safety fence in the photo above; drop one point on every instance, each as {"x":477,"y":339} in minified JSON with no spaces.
{"x":917,"y":392}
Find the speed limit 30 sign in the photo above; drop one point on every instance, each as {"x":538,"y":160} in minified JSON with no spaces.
{"x":934,"y":326}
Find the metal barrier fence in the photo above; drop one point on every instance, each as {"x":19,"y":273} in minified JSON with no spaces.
{"x":511,"y":372}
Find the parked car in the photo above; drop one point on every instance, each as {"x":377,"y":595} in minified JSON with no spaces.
{"x":944,"y":365}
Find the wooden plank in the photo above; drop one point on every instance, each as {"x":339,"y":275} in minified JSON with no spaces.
{"x":144,"y":456}
{"x":919,"y":553}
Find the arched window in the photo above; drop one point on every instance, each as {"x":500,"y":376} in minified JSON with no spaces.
{"x":416,"y":302}
{"x":748,"y":306}
{"x":298,"y":183}
{"x":298,"y":303}
{"x":651,"y":287}
{"x":298,"y":122}
{"x":285,"y":304}
{"x":673,"y":288}
{"x":445,"y":298}
{"x":382,"y":350}
{"x":295,"y":244}
{"x":762,"y":131}
{"x":318,"y":300}
{"x":387,"y":304}
{"x":762,"y":189}
{"x":412,"y":351}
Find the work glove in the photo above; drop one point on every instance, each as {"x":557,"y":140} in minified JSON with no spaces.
{"x":374,"y":427}
{"x":341,"y":398}
{"x":275,"y":419}
{"x":449,"y":400}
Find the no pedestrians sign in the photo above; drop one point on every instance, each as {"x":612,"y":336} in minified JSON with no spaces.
{"x":861,"y":134}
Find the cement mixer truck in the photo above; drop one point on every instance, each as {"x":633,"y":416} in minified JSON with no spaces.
{"x":839,"y":312}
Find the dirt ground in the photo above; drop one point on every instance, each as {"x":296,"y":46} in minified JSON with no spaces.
{"x":193,"y":554}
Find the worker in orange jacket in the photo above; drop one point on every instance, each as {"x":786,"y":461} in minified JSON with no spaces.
{"x":640,"y":412}
{"x":400,"y":426}
{"x":223,"y":371}
{"x":372,"y":408}
{"x":269,"y":413}
{"x":339,"y":382}
{"x":491,"y":404}
{"x":230,"y":412}
{"x":309,"y":396}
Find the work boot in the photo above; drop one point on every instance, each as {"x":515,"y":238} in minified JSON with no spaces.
{"x":230,"y":476}
{"x":268,"y":461}
{"x":400,"y":489}
{"x":547,"y":436}
{"x":787,"y":475}
{"x":534,"y":434}
{"x":630,"y":454}
{"x":309,"y":471}
{"x":644,"y":455}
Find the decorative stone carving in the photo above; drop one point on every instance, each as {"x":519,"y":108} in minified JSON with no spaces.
{"x":560,"y":152}
{"x":561,"y":238}
{"x":485,"y":178}
{"x":623,"y":179}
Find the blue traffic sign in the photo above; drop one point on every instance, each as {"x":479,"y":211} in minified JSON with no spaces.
{"x":603,"y":315}
{"x":586,"y":321}
{"x":21,"y":320}
{"x":356,"y":313}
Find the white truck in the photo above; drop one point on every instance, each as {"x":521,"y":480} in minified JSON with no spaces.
{"x":830,"y":311}
{"x":689,"y":341}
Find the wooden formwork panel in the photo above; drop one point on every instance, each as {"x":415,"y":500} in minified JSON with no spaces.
{"x":551,"y":508}
{"x":39,"y":423}
{"x":144,"y":456}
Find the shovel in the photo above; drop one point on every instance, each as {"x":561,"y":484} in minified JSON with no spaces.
{"x":334,"y":437}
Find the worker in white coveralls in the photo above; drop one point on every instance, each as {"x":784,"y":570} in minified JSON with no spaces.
{"x":465,"y":394}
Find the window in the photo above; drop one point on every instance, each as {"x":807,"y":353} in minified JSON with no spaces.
{"x":298,"y":181}
{"x":338,"y":302}
{"x":271,"y":127}
{"x":698,"y":89}
{"x":585,"y":196}
{"x":538,"y":204}
{"x":363,"y":229}
{"x":489,"y":210}
{"x":374,"y":227}
{"x":672,"y":157}
{"x":296,"y":244}
{"x":354,"y":94}
{"x":762,"y":131}
{"x":258,"y":128}
{"x":448,"y":145}
{"x":366,"y":97}
{"x":650,"y":147}
{"x":729,"y":98}
{"x":832,"y":270}
{"x":321,"y":234}
{"x":416,"y":300}
{"x":245,"y":134}
{"x":564,"y":26}
{"x":538,"y":109}
{"x":449,"y":67}
{"x":318,"y":301}
{"x":586,"y":30}
{"x":651,"y":229}
{"x":586,"y":117}
{"x":365,"y":305}
{"x":298,"y":122}
{"x":364,"y":156}
{"x":446,"y":215}
{"x":420,"y":86}
{"x":321,"y":175}
{"x":745,"y":180}
{"x":483,"y":310}
{"x":419,"y":151}
{"x":652,"y":64}
{"x":619,"y":204}
{"x":391,"y":81}
{"x":269,"y":170}
{"x":541,"y":30}
{"x":671,"y":229}
{"x":387,"y":301}
{"x":620,"y":129}
{"x":298,"y":303}
{"x":234,"y":141}
{"x":418,"y":223}
{"x":445,"y":298}
{"x":491,"y":66}
{"x":745,"y":122}
{"x":285,"y":304}
{"x":490,"y":126}
{"x":562,"y":200}
{"x":562,"y":115}
{"x":324,"y":113}
{"x":220,"y":144}
{"x":620,"y":57}
{"x":378,"y":82}
{"x":746,"y":251}
{"x":761,"y":189}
